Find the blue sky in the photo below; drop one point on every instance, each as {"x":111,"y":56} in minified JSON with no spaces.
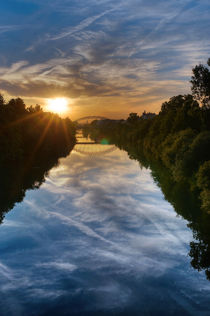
{"x":108,"y":58}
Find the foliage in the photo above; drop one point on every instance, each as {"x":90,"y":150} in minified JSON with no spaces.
{"x":28,"y":131}
{"x":201,"y":83}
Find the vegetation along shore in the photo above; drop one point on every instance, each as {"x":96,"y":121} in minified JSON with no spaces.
{"x":177,"y":138}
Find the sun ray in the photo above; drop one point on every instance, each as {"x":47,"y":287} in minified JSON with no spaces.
{"x":41,"y":139}
{"x":26,"y":118}
{"x":65,"y":132}
{"x":39,"y":142}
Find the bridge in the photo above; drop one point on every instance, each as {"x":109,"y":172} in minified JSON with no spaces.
{"x":86,"y":143}
{"x":94,"y":117}
{"x":88,"y":149}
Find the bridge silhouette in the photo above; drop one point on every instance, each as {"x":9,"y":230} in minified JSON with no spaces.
{"x":94,"y":117}
{"x":99,"y":151}
{"x":86,"y":143}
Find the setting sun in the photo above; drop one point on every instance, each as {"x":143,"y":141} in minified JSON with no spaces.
{"x":58,"y":105}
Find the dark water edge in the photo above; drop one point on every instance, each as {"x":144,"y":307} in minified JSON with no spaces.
{"x":186,"y":203}
{"x":25,"y":174}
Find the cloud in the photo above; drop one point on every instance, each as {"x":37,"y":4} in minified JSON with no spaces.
{"x":81,"y":26}
{"x":65,"y":266}
{"x":9,"y":28}
{"x":111,"y":58}
{"x":6,"y":272}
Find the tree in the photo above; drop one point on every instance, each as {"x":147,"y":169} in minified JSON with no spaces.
{"x":34,"y":109}
{"x":133,"y":118}
{"x":201,"y":84}
{"x":17,"y":105}
{"x":2,"y":101}
{"x":178,"y":102}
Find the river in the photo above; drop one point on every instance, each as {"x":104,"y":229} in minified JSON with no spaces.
{"x":98,"y":238}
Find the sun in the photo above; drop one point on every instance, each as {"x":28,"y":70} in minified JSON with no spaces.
{"x":58,"y":105}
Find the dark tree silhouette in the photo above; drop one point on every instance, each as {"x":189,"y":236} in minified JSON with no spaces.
{"x":133,"y":118}
{"x":201,"y":83}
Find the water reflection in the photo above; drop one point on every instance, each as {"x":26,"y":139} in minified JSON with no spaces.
{"x":98,"y":238}
{"x":89,"y":147}
{"x":187,"y":204}
{"x":28,"y":174}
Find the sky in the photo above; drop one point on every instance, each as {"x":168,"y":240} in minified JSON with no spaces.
{"x":109,"y":58}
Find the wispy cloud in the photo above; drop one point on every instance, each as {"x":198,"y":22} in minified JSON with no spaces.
{"x":81,"y":26}
{"x":9,"y":28}
{"x":66,"y":266}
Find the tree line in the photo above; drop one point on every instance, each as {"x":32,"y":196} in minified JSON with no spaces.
{"x":28,"y":131}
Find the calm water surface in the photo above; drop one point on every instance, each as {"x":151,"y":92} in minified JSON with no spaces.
{"x":98,"y":238}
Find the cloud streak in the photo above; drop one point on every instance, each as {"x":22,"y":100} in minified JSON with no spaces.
{"x":8,"y":28}
{"x":81,"y":26}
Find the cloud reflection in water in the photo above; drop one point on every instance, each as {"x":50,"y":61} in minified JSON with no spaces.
{"x":97,"y":237}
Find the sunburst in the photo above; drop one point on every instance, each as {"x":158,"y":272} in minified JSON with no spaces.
{"x":58,"y":105}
